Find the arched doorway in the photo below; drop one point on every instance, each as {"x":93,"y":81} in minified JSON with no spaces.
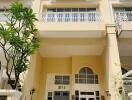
{"x":86,"y":85}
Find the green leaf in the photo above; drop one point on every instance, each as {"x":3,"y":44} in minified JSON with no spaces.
{"x":20,"y":33}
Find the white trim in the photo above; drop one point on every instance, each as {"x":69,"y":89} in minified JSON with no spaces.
{"x":51,"y":87}
{"x":15,"y":95}
{"x":130,"y":94}
{"x":87,"y":96}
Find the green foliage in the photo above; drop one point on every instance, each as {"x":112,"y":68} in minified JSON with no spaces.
{"x":18,"y":39}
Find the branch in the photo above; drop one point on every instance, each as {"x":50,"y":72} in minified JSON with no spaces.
{"x":9,"y":48}
{"x":4,"y":50}
{"x":7,"y":60}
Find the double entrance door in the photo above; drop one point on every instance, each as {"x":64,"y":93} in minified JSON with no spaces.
{"x":88,"y":97}
{"x":85,"y":95}
{"x":61,"y":95}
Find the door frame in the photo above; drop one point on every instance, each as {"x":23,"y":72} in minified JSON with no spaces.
{"x":87,"y":96}
{"x":62,"y":94}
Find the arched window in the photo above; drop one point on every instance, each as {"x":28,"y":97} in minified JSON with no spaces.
{"x":86,"y":76}
{"x":85,"y":70}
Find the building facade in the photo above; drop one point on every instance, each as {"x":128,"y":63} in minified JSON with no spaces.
{"x":85,"y":48}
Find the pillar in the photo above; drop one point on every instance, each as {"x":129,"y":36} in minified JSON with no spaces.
{"x":113,"y":66}
{"x":36,"y":7}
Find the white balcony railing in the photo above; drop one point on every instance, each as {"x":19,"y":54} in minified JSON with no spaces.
{"x":70,"y":16}
{"x":122,"y":16}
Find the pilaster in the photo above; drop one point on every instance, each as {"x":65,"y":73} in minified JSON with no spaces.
{"x":113,"y":66}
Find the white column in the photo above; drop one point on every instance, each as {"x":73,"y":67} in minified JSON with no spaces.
{"x":113,"y":66}
{"x":105,"y":10}
{"x":36,"y":6}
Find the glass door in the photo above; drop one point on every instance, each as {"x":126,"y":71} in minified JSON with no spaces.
{"x":87,"y":95}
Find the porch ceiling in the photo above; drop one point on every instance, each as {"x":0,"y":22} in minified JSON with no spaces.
{"x":71,"y":47}
{"x":126,"y":34}
{"x":125,"y":47}
{"x":72,"y":34}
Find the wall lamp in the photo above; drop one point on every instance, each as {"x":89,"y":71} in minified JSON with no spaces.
{"x":108,"y":93}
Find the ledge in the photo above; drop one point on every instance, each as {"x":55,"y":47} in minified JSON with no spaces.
{"x":15,"y":95}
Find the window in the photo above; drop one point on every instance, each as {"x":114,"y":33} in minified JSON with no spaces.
{"x":91,"y":98}
{"x":57,"y":93}
{"x":77,"y":98}
{"x":74,"y":9}
{"x":65,"y":79}
{"x":83,"y":98}
{"x":87,"y":93}
{"x":67,"y":9}
{"x":97,"y":95}
{"x":51,"y":10}
{"x":123,"y":13}
{"x":65,"y":93}
{"x":86,"y":76}
{"x":3,"y":97}
{"x":61,"y":93}
{"x":71,"y":14}
{"x":77,"y":95}
{"x":123,"y":8}
{"x":60,"y":10}
{"x":97,"y":98}
{"x":70,"y":9}
{"x":49,"y":96}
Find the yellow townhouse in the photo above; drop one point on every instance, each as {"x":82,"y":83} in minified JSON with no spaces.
{"x":86,"y":47}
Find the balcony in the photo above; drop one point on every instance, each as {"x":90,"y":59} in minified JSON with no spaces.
{"x":68,"y":24}
{"x":71,"y":17}
{"x":123,"y":16}
{"x":123,"y":20}
{"x":87,"y":22}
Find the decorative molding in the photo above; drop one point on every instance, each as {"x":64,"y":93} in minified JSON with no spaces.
{"x":110,"y":29}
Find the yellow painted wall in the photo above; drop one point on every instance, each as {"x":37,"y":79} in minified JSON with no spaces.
{"x":57,"y":65}
{"x":52,"y":65}
{"x":93,"y":62}
{"x":38,"y":76}
{"x":105,"y":81}
{"x":33,"y":78}
{"x":70,"y":65}
{"x":29,"y":79}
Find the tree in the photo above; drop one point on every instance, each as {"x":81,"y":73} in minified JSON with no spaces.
{"x":18,"y":40}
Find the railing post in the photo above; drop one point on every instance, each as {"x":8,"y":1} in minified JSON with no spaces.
{"x":122,"y":16}
{"x":70,"y":16}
